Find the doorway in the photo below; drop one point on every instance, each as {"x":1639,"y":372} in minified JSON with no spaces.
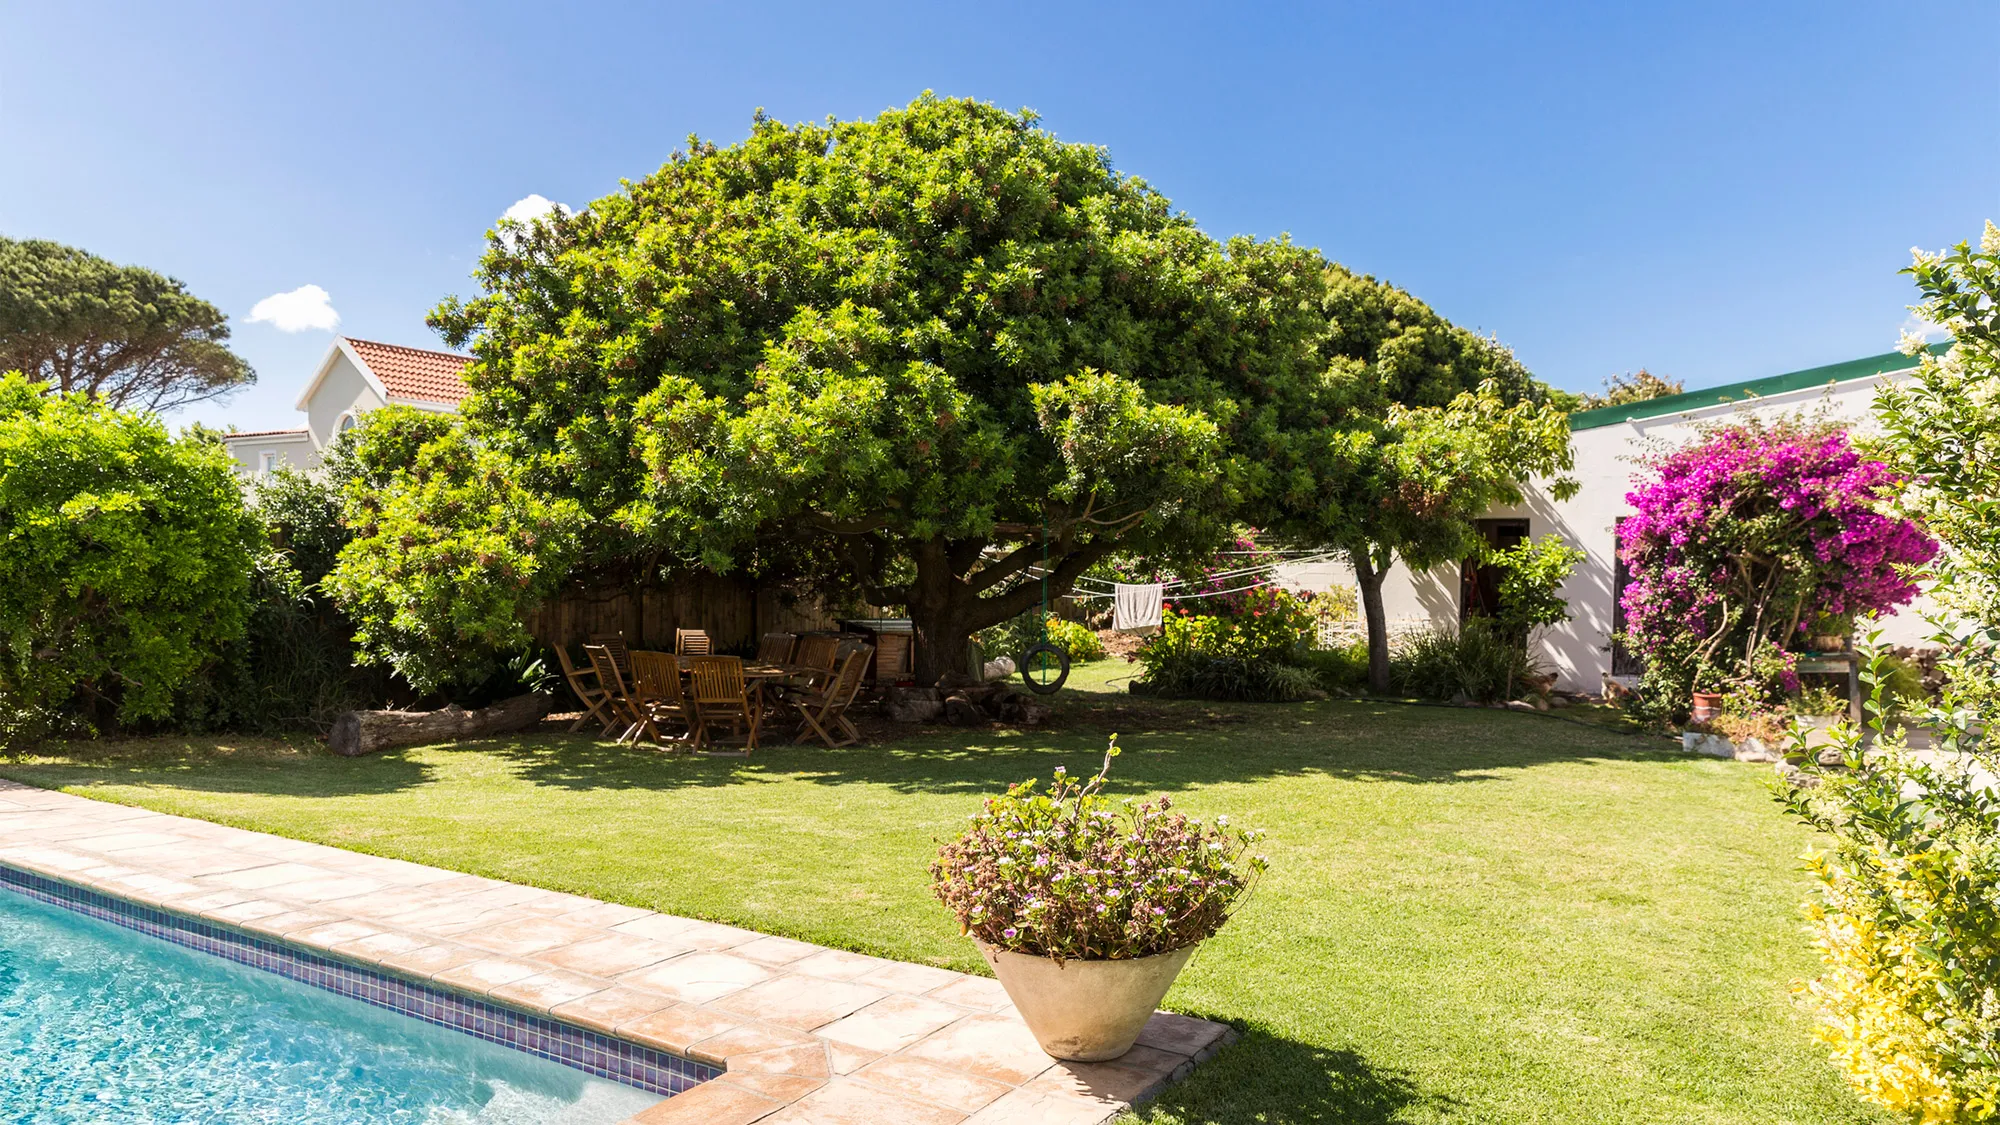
{"x":1479,"y":582}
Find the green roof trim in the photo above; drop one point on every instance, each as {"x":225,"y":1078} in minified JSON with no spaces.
{"x":1753,"y":388}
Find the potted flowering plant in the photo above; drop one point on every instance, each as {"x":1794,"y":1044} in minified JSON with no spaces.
{"x":1087,"y":909}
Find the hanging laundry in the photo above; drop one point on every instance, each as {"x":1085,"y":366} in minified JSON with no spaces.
{"x":1136,"y":607}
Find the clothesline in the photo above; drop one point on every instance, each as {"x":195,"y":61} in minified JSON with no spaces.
{"x":1105,"y":587}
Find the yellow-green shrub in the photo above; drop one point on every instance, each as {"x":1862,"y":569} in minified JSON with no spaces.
{"x":1907,"y":918}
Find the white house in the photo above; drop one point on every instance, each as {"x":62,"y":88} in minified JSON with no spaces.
{"x":357,"y":376}
{"x":1607,"y":444}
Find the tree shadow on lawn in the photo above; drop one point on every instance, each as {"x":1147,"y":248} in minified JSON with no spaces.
{"x":1341,"y":739}
{"x":215,"y":764}
{"x":1169,"y":747}
{"x":1263,"y":1077}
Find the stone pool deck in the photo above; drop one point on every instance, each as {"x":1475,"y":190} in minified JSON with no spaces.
{"x":806,"y":1035}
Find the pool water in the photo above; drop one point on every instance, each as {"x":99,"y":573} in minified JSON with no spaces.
{"x":101,"y":1024}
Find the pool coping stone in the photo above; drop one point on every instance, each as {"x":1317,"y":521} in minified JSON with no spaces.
{"x":804,"y":1035}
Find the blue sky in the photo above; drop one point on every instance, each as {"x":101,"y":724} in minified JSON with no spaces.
{"x":1713,"y":191}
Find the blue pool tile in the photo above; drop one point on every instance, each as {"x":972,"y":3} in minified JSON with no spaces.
{"x":577,"y":1047}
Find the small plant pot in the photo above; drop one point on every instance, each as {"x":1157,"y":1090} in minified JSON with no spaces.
{"x":1085,"y":1011}
{"x":1829,"y":643}
{"x":1707,"y":707}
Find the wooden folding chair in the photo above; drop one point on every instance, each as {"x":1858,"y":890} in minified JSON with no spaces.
{"x":814,"y":660}
{"x":720,"y":694}
{"x":595,"y":697}
{"x":775,"y":648}
{"x":620,"y":655}
{"x":691,"y":642}
{"x":656,"y":692}
{"x":823,"y":712}
{"x":619,"y":700}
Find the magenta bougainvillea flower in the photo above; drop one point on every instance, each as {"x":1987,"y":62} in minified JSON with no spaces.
{"x":1748,"y":535}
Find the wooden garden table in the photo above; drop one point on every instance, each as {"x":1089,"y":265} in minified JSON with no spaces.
{"x":1835,"y":664}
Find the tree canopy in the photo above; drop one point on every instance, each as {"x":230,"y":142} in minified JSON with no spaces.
{"x":937,"y":341}
{"x":125,"y":557}
{"x":938,"y":346}
{"x":1437,"y":426}
{"x":137,"y":338}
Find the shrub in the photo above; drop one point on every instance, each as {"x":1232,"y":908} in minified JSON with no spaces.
{"x":1252,"y":655}
{"x":1532,"y":573}
{"x":1476,"y":662}
{"x":1341,"y":670}
{"x":1080,"y":641}
{"x":1907,"y":919}
{"x":450,"y":550}
{"x":125,"y":558}
{"x":1010,"y":638}
{"x":1068,"y":874}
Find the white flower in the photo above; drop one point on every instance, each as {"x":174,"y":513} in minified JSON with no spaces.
{"x":1921,"y":257}
{"x":1911,"y":343}
{"x":1989,"y":242}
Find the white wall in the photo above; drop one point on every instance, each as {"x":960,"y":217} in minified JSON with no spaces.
{"x":343,"y":390}
{"x":1606,"y":465}
{"x":287,"y":451}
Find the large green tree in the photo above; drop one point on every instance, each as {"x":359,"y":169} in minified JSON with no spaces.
{"x":1438,"y":426}
{"x":125,"y":557}
{"x":942,"y":341}
{"x":135,"y":337}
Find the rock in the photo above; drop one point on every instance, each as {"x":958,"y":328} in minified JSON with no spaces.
{"x":962,"y":712}
{"x":1754,"y":750}
{"x":999,"y":669}
{"x":1033,"y":715}
{"x":1560,"y":701}
{"x":1831,"y":756}
{"x":1520,"y":705}
{"x":1713,"y":745}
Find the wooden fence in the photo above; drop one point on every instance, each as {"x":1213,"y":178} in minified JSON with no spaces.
{"x":734,"y":612}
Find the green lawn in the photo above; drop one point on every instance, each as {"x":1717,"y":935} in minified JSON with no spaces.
{"x":1471,"y":916}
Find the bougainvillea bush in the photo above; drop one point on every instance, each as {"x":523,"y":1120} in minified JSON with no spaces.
{"x":1072,"y":875}
{"x":1745,"y":537}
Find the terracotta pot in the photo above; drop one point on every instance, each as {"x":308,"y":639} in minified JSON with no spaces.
{"x":1829,"y":643}
{"x":1707,"y":706}
{"x":1085,"y":1011}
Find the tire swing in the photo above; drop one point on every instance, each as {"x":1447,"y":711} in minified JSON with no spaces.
{"x":1044,"y":667}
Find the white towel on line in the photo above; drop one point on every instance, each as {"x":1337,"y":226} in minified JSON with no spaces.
{"x":1136,"y":607}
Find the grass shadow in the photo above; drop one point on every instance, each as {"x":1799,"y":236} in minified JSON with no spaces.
{"x":1268,"y":1078}
{"x":1170,"y":746}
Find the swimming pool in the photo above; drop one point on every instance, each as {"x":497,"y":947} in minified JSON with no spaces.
{"x":101,"y":1023}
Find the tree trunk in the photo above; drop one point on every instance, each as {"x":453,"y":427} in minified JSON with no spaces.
{"x":1368,"y":582}
{"x":364,"y":732}
{"x":946,"y":607}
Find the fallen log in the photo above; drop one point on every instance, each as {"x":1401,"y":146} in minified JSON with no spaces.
{"x":364,"y":732}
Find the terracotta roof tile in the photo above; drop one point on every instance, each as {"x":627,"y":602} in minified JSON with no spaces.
{"x":234,"y":434}
{"x":413,"y":373}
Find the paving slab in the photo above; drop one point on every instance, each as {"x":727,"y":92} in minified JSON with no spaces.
{"x":805,"y":1035}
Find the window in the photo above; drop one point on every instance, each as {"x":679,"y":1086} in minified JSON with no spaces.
{"x":266,"y":461}
{"x":1623,"y":663}
{"x":346,"y":423}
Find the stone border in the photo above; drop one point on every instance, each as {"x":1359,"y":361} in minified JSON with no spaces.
{"x":803,"y":1033}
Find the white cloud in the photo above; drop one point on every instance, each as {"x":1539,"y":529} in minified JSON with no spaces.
{"x":1915,"y":325}
{"x":534,"y":207}
{"x":304,"y":308}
